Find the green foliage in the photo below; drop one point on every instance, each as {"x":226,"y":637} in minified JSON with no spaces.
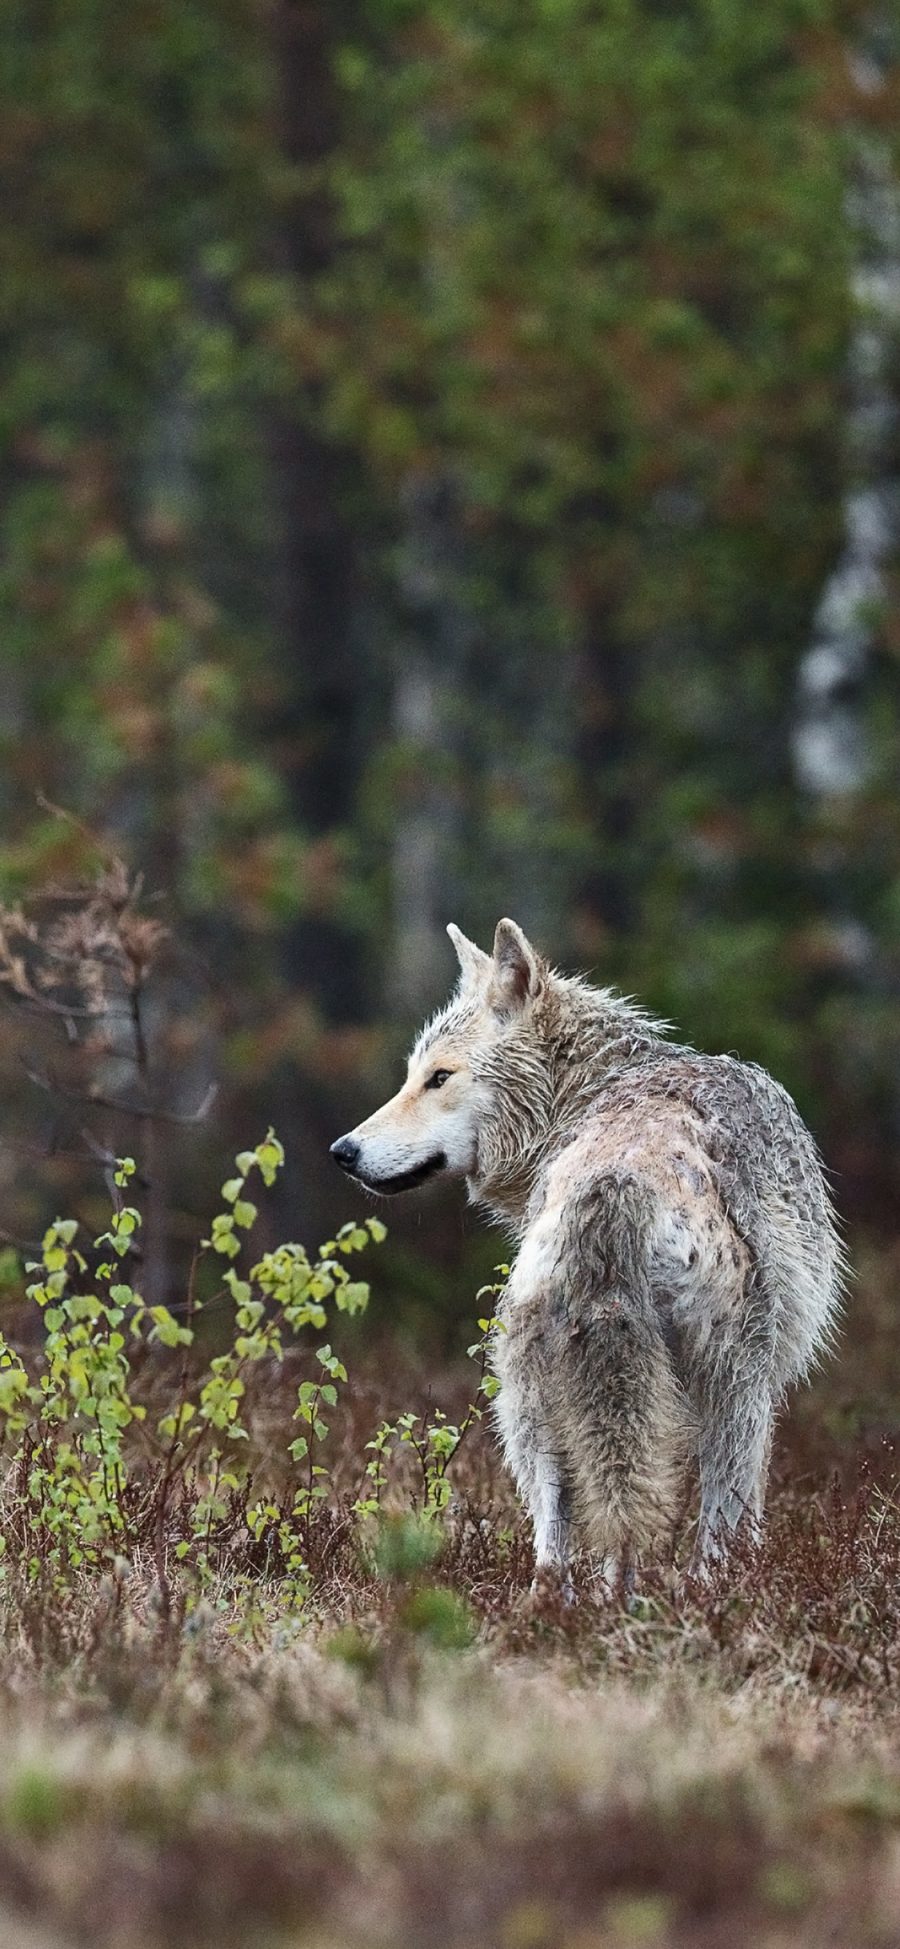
{"x":94,"y":1471}
{"x":424,"y":429}
{"x":137,"y":332}
{"x":607,"y":251}
{"x":404,"y":1546}
{"x":66,"y":1424}
{"x":440,"y":1617}
{"x":432,"y":1438}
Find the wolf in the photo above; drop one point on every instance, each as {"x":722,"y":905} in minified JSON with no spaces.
{"x":678,"y":1266}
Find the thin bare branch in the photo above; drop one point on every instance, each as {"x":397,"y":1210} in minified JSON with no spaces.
{"x":142,"y":1110}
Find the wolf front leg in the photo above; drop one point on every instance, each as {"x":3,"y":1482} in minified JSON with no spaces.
{"x":540,"y":1479}
{"x":552,"y":1518}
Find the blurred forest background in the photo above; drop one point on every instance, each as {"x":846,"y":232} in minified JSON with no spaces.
{"x":450,"y":459}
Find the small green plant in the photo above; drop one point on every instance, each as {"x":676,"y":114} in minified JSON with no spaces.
{"x":96,"y":1474}
{"x":81,"y":1489}
{"x":434,"y":1440}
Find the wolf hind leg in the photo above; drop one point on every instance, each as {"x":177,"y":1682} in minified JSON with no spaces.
{"x":737,"y":1411}
{"x":734,"y":1459}
{"x":626,"y":1415}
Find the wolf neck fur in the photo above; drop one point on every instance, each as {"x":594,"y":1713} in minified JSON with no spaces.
{"x":547,"y":1075}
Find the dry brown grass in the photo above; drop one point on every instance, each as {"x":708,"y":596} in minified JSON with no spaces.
{"x":424,"y":1758}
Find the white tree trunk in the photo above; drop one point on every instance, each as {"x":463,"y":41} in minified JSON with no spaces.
{"x":831,"y":757}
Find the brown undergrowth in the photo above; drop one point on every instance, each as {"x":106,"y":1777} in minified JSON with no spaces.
{"x":271,"y":1672}
{"x":423,"y":1756}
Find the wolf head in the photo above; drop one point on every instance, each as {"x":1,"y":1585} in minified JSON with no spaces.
{"x":477,"y":1094}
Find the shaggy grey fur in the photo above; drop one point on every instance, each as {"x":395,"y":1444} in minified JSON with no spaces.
{"x":679,"y":1265}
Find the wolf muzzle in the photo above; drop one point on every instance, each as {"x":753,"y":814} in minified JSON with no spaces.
{"x":346,"y":1153}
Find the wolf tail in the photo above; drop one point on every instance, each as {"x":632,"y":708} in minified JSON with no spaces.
{"x":625,"y":1425}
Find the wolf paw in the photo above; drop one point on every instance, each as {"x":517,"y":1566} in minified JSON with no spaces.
{"x":549,"y":1589}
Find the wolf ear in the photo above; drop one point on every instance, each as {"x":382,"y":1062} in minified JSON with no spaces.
{"x":473,"y":961}
{"x":516,"y":973}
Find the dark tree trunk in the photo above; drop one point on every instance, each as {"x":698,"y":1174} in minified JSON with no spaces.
{"x":605,"y":745}
{"x":325,"y":692}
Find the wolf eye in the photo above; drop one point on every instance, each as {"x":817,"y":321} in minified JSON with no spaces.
{"x":438,"y":1078}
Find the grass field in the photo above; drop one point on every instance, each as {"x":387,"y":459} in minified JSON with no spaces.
{"x":422,"y":1756}
{"x":398,"y":1746}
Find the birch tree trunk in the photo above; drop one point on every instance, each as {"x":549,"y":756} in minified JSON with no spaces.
{"x":829,"y":743}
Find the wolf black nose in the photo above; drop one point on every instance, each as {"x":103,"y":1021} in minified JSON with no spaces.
{"x":346,"y":1153}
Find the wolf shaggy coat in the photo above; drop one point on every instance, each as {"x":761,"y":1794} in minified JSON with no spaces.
{"x":678,"y":1264}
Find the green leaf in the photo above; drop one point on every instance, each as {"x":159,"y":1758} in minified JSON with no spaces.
{"x":167,"y":1329}
{"x":240,"y":1289}
{"x":353,"y":1297}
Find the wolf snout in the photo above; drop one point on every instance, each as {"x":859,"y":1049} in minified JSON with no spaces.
{"x":346,"y":1153}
